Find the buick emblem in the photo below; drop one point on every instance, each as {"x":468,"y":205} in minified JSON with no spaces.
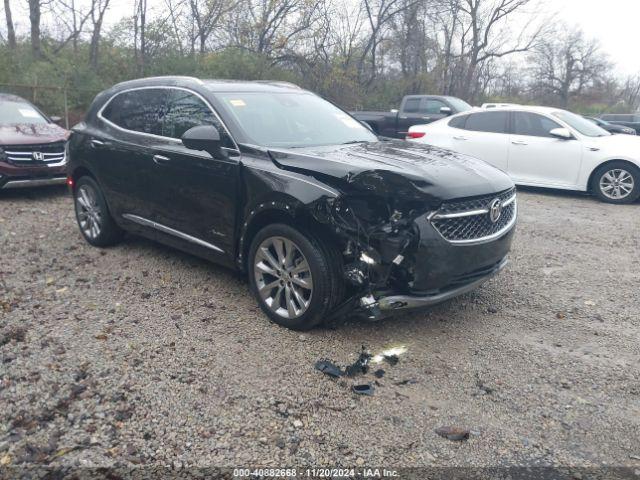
{"x":38,"y":156}
{"x":495,"y":210}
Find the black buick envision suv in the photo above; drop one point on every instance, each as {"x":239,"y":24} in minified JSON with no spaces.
{"x":325,"y":218}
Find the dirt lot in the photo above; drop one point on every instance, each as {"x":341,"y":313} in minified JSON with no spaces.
{"x":144,"y":355}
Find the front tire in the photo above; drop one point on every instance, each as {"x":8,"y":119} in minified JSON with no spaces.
{"x":617,"y":182}
{"x":92,"y":214}
{"x":294,"y":276}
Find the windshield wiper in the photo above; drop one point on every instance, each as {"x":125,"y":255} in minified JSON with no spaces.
{"x":351,"y":142}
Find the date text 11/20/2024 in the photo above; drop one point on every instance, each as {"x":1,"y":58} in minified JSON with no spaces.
{"x":314,"y":473}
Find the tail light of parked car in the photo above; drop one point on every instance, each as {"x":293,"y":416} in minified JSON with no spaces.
{"x":411,"y":135}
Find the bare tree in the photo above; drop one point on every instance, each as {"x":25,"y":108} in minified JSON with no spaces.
{"x":139,"y":34}
{"x":206,"y":15}
{"x":478,"y":32}
{"x":35,"y":10}
{"x":70,"y":19}
{"x":565,"y":64}
{"x":264,"y":26}
{"x":98,"y":10}
{"x":176,"y":12}
{"x":11,"y":32}
{"x":630,"y":93}
{"x":379,"y":15}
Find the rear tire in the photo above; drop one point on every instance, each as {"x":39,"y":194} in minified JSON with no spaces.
{"x":295,"y":277}
{"x":617,"y":182}
{"x":92,"y":214}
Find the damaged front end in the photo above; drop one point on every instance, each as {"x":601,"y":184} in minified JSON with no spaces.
{"x":399,"y":236}
{"x":394,"y":258}
{"x":379,"y":242}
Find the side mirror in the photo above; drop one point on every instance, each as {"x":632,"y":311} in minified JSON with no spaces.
{"x":445,"y":110}
{"x":561,"y":133}
{"x":55,"y":119}
{"x":205,"y":138}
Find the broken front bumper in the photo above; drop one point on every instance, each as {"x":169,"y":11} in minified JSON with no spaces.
{"x":407,"y":302}
{"x":441,"y":270}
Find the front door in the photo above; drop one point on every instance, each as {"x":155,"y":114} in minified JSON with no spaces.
{"x":538,"y":158}
{"x":194,"y":193}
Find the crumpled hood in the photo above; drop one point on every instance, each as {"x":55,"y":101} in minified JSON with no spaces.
{"x":396,"y":169}
{"x":31,"y":133}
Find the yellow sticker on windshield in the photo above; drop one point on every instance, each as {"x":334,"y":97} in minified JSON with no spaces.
{"x":347,"y":120}
{"x":238,"y":103}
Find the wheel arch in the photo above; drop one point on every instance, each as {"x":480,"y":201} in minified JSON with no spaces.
{"x":607,"y":162}
{"x":287,"y":211}
{"x":81,"y":171}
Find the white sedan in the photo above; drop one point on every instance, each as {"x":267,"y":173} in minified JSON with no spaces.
{"x":543,"y":147}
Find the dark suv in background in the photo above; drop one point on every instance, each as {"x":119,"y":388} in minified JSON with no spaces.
{"x":630,"y":120}
{"x":32,"y":146}
{"x":325,"y":218}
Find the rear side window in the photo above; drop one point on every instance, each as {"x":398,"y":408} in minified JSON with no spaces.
{"x":491,"y":122}
{"x":140,"y":110}
{"x":412,"y":105}
{"x":533,"y":125}
{"x":186,"y":110}
{"x":458,"y":122}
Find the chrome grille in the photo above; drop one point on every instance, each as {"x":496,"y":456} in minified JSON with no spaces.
{"x":51,"y":154}
{"x":469,"y":221}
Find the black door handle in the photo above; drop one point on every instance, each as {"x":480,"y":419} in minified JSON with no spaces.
{"x":161,"y":159}
{"x":95,"y":143}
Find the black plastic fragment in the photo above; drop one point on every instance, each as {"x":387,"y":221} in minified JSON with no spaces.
{"x":328,"y":368}
{"x":408,"y":381}
{"x":361,"y":365}
{"x":364,"y":389}
{"x":392,"y":359}
{"x":379,"y":373}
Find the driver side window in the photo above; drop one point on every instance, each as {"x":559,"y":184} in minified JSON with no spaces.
{"x":533,"y":125}
{"x":186,"y":110}
{"x":434,"y":106}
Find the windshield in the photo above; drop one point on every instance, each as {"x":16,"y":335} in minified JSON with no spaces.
{"x":12,"y":112}
{"x":459,"y":105}
{"x":293,"y":119}
{"x":581,"y":124}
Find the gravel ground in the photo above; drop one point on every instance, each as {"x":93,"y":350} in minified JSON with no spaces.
{"x":140,"y":354}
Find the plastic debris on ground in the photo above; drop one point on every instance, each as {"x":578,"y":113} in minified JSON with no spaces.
{"x":364,"y":389}
{"x":455,"y":434}
{"x":362,"y":367}
{"x":329,"y":368}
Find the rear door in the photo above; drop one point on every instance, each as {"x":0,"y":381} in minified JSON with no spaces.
{"x":484,"y":136}
{"x":411,"y":113}
{"x":538,"y":158}
{"x":120,"y":151}
{"x":419,"y":111}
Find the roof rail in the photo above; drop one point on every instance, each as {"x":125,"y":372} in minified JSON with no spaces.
{"x":160,"y":77}
{"x":278,"y":82}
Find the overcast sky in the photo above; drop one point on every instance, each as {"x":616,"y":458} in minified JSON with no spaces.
{"x":614,"y":22}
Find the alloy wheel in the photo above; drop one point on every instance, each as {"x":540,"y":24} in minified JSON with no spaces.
{"x":283,"y":277}
{"x":89,"y":212}
{"x":616,"y":184}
